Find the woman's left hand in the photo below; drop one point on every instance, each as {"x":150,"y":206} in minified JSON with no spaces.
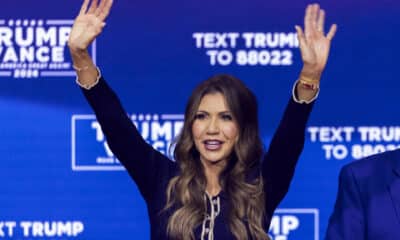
{"x":314,"y":43}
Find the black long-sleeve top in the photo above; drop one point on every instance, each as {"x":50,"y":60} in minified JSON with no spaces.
{"x":152,"y":171}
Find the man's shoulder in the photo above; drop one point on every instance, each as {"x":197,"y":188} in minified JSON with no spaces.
{"x":373,"y":165}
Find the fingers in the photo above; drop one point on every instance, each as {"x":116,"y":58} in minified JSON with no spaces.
{"x":314,"y":22}
{"x":84,"y":7}
{"x":314,"y":15}
{"x":92,"y":7}
{"x":307,"y":19}
{"x":100,"y":10}
{"x":321,"y":21}
{"x":101,"y":6}
{"x":311,"y":18}
{"x":105,"y":10}
{"x":331,"y":32}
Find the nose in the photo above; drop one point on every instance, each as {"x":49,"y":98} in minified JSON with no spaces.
{"x":213,"y":126}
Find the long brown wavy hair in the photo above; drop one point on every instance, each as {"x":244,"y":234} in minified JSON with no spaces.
{"x":186,"y":191}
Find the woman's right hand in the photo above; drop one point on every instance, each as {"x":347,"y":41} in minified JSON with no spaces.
{"x":88,"y":24}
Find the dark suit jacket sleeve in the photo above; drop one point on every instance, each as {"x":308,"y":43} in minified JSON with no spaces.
{"x":284,"y":150}
{"x":144,"y":164}
{"x":347,"y":221}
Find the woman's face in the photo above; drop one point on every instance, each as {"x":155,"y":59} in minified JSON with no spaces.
{"x":214,"y":130}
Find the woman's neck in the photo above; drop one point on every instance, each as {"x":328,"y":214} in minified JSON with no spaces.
{"x":212,"y":172}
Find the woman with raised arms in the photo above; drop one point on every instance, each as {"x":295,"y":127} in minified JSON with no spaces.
{"x":222,"y":184}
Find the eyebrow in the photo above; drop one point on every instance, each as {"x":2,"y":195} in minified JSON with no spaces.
{"x":223,"y":112}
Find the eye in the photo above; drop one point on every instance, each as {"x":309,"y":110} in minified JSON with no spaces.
{"x":227,"y":117}
{"x":200,"y":116}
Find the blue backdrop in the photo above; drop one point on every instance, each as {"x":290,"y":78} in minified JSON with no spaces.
{"x":60,"y":181}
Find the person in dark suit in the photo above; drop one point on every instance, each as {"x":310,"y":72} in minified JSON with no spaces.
{"x":368,"y":200}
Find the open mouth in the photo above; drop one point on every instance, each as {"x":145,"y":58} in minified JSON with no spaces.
{"x":212,"y":145}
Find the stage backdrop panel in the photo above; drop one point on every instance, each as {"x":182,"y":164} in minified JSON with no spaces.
{"x":61,"y":181}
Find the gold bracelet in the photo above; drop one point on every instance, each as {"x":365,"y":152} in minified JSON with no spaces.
{"x":78,"y":69}
{"x":309,"y":83}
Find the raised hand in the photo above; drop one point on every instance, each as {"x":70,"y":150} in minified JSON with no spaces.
{"x":314,"y":43}
{"x":88,"y":24}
